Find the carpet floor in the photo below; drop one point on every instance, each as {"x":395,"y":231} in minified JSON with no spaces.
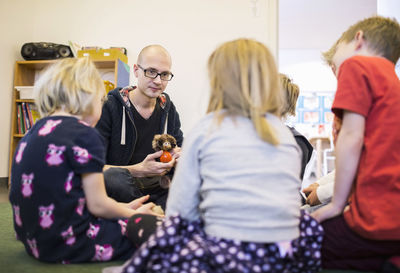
{"x":14,"y":259}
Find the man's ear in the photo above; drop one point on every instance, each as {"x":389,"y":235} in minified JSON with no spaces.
{"x":359,"y":39}
{"x":135,"y":69}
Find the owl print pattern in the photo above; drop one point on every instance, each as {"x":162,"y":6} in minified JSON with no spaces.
{"x":49,"y":207}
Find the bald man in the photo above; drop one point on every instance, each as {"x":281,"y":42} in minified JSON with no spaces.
{"x":130,"y":118}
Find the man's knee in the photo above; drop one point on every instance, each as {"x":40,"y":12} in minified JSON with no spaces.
{"x":117,"y":177}
{"x":119,"y":185}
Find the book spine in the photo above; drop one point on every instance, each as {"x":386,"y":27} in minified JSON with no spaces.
{"x":25,"y":117}
{"x":28,"y":109}
{"x":19,"y":118}
{"x":34,"y":112}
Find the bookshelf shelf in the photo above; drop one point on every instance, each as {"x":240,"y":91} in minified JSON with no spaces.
{"x":25,"y":75}
{"x":25,"y":100}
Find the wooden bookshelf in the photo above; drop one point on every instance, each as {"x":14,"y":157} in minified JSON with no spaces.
{"x":27,"y":72}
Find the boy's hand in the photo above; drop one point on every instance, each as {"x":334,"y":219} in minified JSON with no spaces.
{"x":312,"y":198}
{"x":310,"y":188}
{"x":311,"y":193}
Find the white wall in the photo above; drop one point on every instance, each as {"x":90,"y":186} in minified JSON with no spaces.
{"x":15,"y":29}
{"x":390,"y":8}
{"x":190,"y":30}
{"x":309,"y":27}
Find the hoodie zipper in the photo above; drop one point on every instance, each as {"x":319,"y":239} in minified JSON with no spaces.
{"x":134,"y":126}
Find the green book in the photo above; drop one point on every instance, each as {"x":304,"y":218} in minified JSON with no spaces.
{"x":21,"y":119}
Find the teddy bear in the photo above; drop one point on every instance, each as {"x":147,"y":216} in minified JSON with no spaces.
{"x":166,"y":143}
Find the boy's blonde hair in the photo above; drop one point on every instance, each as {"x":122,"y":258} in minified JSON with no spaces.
{"x":244,"y":81}
{"x":71,"y":85}
{"x":328,"y":55}
{"x":381,"y":34}
{"x":291,"y":92}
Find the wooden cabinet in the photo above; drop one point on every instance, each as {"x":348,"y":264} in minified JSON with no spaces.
{"x":27,"y":72}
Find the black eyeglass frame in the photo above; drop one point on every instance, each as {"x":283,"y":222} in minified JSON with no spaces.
{"x":145,"y":70}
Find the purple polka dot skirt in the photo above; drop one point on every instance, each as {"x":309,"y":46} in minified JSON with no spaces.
{"x":182,"y":246}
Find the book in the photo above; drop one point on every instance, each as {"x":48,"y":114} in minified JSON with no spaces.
{"x":34,"y":112}
{"x":19,"y":128}
{"x":21,"y":119}
{"x":28,"y":110}
{"x":25,"y":117}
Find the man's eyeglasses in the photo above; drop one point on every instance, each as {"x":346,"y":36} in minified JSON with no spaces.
{"x":152,"y":73}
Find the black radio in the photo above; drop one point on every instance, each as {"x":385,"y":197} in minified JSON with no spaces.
{"x":45,"y":51}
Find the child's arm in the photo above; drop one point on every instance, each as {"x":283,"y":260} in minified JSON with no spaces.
{"x":348,"y":150}
{"x":100,"y":205}
{"x":184,"y":196}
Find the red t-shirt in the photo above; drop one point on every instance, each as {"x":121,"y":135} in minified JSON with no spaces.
{"x":370,"y":87}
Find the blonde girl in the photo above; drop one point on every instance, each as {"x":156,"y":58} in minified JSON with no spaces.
{"x":61,"y":211}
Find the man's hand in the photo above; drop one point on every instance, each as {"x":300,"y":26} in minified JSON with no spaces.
{"x":150,"y":167}
{"x":311,"y":193}
{"x":176,"y":153}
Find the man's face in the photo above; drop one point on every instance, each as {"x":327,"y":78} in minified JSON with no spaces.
{"x":152,"y":61}
{"x":344,"y":50}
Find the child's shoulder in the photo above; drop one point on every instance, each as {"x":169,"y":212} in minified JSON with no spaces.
{"x":367,"y":67}
{"x":63,"y":127}
{"x":368,"y":61}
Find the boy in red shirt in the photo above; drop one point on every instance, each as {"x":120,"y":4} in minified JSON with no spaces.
{"x":362,"y":222}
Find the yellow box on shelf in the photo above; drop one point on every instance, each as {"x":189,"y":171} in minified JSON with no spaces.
{"x":109,"y":86}
{"x":103,"y":54}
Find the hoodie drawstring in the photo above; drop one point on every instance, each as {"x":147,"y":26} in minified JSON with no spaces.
{"x":123,"y":133}
{"x":166,"y":124}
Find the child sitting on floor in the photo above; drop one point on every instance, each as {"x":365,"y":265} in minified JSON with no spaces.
{"x":320,"y":193}
{"x":292,"y":92}
{"x":234,"y":201}
{"x":61,"y":211}
{"x":362,"y":223}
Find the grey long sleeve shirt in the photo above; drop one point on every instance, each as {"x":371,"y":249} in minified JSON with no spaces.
{"x":241,"y":187}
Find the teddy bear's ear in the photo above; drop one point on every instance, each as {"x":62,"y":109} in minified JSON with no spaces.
{"x":173,"y":141}
{"x":154,"y":143}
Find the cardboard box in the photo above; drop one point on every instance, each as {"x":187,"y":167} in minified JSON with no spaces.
{"x":25,"y":92}
{"x":103,"y":54}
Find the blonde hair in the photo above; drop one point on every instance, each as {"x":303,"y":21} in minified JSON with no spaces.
{"x":381,"y":34}
{"x":328,"y":55}
{"x":244,"y":81}
{"x":291,"y":92}
{"x":71,"y":85}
